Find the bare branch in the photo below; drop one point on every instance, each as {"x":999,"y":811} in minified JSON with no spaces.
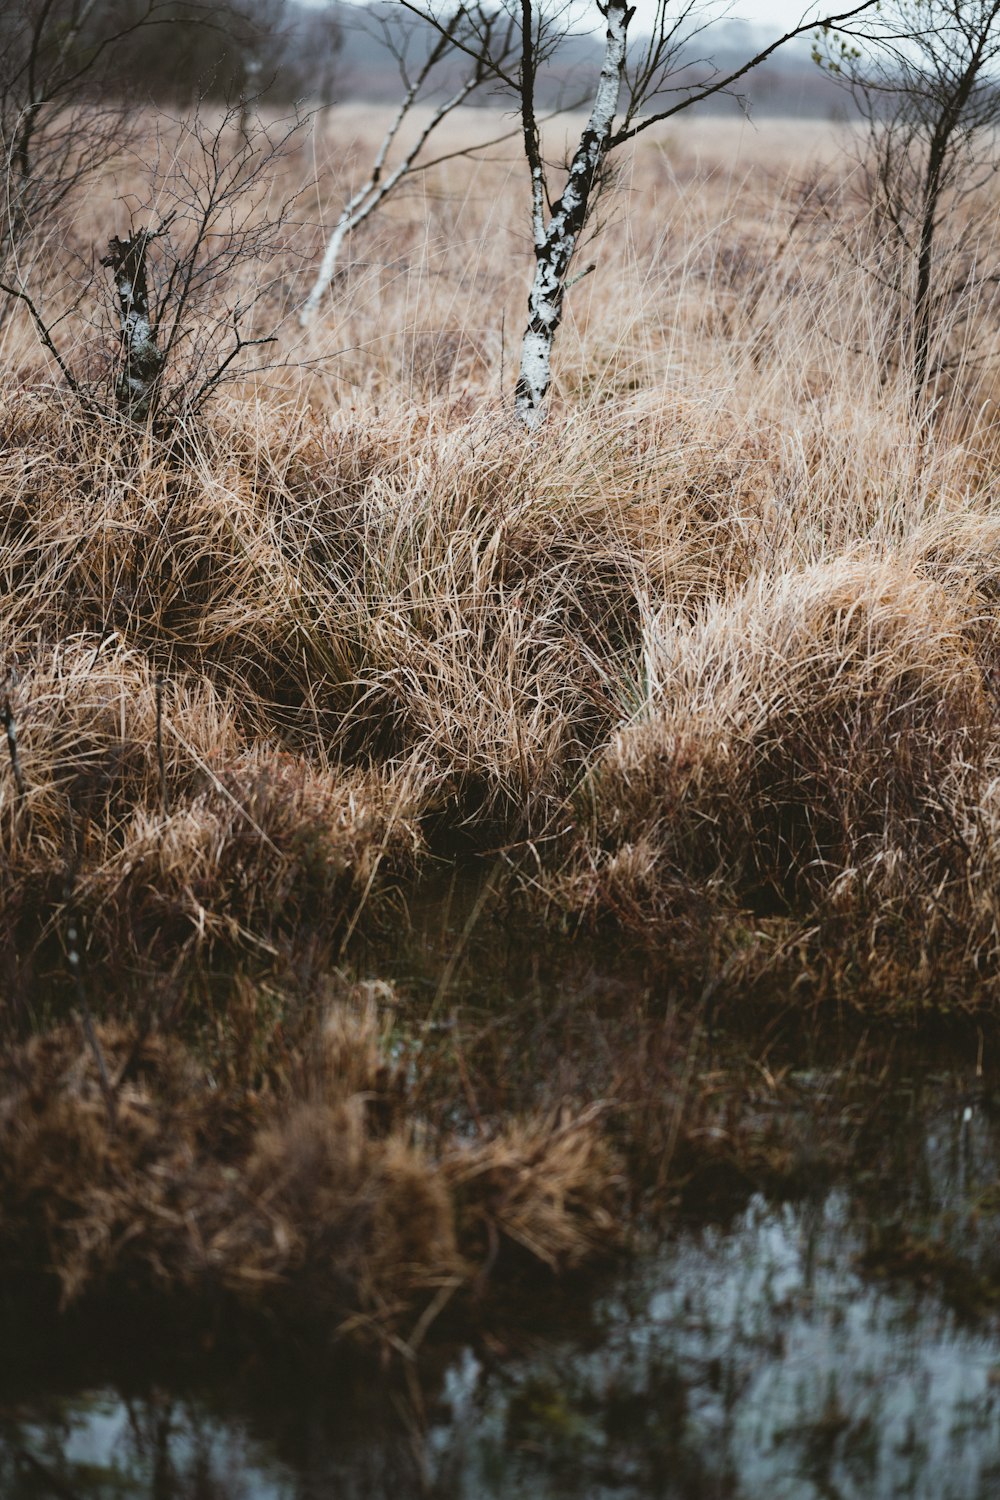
{"x":197,"y":401}
{"x":698,"y":95}
{"x":44,"y":334}
{"x":472,"y":21}
{"x":928,"y":92}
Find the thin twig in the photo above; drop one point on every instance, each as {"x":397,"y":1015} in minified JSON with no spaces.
{"x":42,"y":329}
{"x":209,"y":385}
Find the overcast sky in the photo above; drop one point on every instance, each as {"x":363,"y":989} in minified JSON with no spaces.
{"x":775,"y":16}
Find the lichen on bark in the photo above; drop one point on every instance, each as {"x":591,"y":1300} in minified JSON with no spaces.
{"x":555,"y":244}
{"x":142,"y":361}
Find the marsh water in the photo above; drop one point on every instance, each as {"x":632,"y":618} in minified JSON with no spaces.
{"x":839,"y":1340}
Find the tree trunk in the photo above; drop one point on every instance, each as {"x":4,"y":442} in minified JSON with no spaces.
{"x":327,"y":268}
{"x":142,"y":361}
{"x":555,"y":244}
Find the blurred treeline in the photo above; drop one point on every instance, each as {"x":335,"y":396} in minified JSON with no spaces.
{"x":171,"y":52}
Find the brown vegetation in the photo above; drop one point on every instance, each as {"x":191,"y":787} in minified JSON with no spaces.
{"x":711,"y":658}
{"x":312,"y":1195}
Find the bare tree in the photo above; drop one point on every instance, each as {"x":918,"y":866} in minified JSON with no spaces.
{"x":481,"y":41}
{"x":191,"y":291}
{"x":55,"y":126}
{"x":68,"y":74}
{"x":929,"y":91}
{"x":205,"y":257}
{"x":634,"y":93}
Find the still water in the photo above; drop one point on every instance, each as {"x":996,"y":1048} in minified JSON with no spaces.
{"x":763,"y":1356}
{"x":843,"y":1344}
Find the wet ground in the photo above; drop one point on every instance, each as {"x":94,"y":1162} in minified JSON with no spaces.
{"x":836,"y":1340}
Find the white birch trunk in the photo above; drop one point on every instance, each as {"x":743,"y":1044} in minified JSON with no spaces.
{"x":377,"y":188}
{"x":556,"y":243}
{"x":142,"y":360}
{"x":327,"y":269}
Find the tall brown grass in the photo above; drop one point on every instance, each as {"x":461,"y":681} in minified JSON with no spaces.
{"x":712,"y":657}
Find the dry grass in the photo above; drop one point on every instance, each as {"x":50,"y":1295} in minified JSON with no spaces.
{"x":713,"y":657}
{"x":312,"y":1196}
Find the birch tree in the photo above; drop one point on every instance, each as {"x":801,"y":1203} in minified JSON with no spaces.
{"x":142,"y":359}
{"x":638,"y":89}
{"x":203,"y":265}
{"x":480,"y":41}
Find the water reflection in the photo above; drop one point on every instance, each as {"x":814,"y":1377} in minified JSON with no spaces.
{"x":103,"y":1445}
{"x":754,"y":1359}
{"x":753,"y":1362}
{"x":107,"y":1446}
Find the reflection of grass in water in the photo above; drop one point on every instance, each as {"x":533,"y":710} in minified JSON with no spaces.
{"x":758,"y":1363}
{"x":313,"y":1183}
{"x":752,"y":1348}
{"x":155,"y":1445}
{"x":354,"y":1158}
